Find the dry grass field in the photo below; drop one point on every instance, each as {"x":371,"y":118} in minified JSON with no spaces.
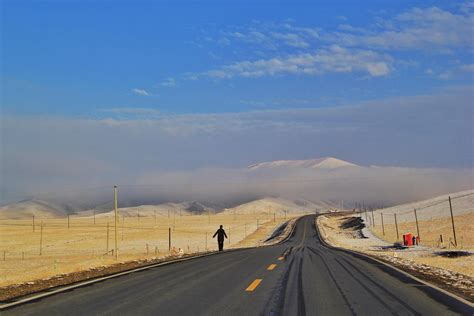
{"x":430,"y":231}
{"x":27,"y":255}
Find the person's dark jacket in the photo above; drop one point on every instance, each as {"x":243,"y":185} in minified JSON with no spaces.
{"x":220,"y":234}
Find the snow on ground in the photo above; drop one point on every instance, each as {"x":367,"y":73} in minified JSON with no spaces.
{"x":438,"y":207}
{"x":278,"y":206}
{"x":320,"y":163}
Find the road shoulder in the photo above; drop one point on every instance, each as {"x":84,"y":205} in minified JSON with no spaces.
{"x":350,"y":238}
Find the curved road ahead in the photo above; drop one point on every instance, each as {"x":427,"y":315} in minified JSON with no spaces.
{"x":310,"y":280}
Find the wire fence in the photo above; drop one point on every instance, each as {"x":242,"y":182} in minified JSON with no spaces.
{"x":446,"y":222}
{"x":37,"y":247}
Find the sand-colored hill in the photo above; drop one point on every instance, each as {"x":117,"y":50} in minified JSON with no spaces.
{"x":278,"y":205}
{"x":29,"y":208}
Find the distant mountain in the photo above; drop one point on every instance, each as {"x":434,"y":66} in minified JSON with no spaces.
{"x":28,"y":208}
{"x":320,"y":163}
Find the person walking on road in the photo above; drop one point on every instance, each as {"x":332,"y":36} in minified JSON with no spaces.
{"x":220,"y":237}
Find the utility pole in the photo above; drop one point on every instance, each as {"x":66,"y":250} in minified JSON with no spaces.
{"x":396,"y":226}
{"x":417,"y":228}
{"x":116,"y":221}
{"x":452,"y":221}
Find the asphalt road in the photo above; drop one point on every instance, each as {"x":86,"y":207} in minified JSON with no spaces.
{"x":310,"y":280}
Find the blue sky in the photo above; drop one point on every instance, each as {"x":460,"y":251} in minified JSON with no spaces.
{"x":86,"y":58}
{"x":97,"y":92}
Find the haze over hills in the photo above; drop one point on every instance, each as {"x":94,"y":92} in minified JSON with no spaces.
{"x":315,"y":180}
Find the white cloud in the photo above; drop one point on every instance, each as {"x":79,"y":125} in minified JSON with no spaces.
{"x":132,"y":111}
{"x":168,"y":82}
{"x":467,"y":68}
{"x":418,"y":29}
{"x":331,"y":59}
{"x":291,"y":39}
{"x":141,"y":92}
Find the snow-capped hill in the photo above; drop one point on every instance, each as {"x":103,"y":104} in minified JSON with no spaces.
{"x":321,"y":163}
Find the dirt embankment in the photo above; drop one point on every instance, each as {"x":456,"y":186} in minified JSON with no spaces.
{"x":349,"y":232}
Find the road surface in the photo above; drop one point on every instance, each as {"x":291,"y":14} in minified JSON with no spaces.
{"x":310,"y":280}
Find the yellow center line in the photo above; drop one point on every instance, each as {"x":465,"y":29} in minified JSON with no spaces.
{"x":253,"y":285}
{"x":281,"y":258}
{"x":271,"y":267}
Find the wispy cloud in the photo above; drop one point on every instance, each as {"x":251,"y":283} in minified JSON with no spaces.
{"x":415,"y":29}
{"x":467,"y":67}
{"x":333,"y":59}
{"x":134,"y":111}
{"x":141,"y":92}
{"x":168,"y":82}
{"x":376,"y":48}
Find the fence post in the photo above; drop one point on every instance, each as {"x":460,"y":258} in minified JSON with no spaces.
{"x":116,"y":222}
{"x":169,"y":238}
{"x":396,"y":226}
{"x":274,"y":217}
{"x":206,"y":240}
{"x":33,"y":223}
{"x":417,"y":227}
{"x":383,"y":228}
{"x":373,"y":220}
{"x":41,"y":238}
{"x":67,"y":221}
{"x":94,"y":217}
{"x":107,"y":237}
{"x":452,"y":221}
